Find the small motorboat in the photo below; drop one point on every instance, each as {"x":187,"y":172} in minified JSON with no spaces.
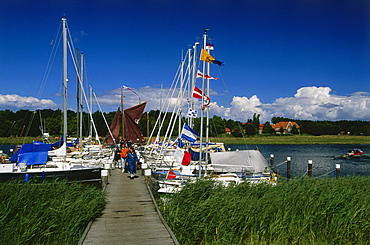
{"x":354,"y":153}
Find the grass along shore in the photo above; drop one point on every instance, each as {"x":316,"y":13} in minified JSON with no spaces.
{"x":254,"y":140}
{"x":294,"y":139}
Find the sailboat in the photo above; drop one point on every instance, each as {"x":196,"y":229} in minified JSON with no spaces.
{"x":130,"y":125}
{"x":209,"y":159}
{"x":39,"y":160}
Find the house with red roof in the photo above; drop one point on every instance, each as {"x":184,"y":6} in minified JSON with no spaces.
{"x":285,"y":127}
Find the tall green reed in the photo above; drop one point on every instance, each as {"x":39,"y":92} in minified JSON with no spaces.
{"x":300,"y":211}
{"x":47,"y":213}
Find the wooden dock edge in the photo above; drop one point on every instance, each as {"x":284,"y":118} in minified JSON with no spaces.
{"x":87,"y":229}
{"x":160,"y":216}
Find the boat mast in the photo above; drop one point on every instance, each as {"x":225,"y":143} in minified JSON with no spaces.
{"x":193,"y":80}
{"x":78,"y":75}
{"x":80,"y":94}
{"x":202,"y":111}
{"x":65,"y":79}
{"x":179,"y":111}
{"x":91,"y":118}
{"x":123,"y":115}
{"x":207,"y":71}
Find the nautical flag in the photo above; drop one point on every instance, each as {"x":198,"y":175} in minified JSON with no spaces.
{"x":188,"y":133}
{"x":200,"y":75}
{"x":209,"y":46}
{"x":197,"y":93}
{"x":186,"y":159}
{"x":130,"y":90}
{"x":205,"y":56}
{"x":171,"y":174}
{"x":192,"y":113}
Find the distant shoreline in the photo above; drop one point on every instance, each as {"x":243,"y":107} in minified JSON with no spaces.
{"x":295,"y":140}
{"x":254,"y":140}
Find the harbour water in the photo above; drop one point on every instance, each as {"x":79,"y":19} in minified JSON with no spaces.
{"x":322,"y":156}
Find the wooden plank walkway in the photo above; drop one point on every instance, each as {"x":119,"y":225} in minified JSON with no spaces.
{"x":130,"y":215}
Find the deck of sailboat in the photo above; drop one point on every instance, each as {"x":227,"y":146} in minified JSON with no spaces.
{"x":129,"y":216}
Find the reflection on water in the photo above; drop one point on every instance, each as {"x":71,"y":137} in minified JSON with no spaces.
{"x":322,"y":156}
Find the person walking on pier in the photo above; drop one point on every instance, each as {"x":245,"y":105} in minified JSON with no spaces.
{"x":131,"y":162}
{"x":123,"y":154}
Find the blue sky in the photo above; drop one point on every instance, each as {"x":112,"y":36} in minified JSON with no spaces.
{"x":297,"y":59}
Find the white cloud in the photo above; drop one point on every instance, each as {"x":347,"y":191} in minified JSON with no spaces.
{"x":16,"y":102}
{"x":310,"y":103}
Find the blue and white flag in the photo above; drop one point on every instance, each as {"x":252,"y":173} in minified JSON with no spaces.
{"x":192,"y":113}
{"x":188,"y":133}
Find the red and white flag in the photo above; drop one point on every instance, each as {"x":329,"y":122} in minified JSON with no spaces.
{"x":200,"y":75}
{"x":209,"y":46}
{"x":197,"y":93}
{"x":171,"y":174}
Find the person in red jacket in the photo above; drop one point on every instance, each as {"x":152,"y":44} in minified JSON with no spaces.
{"x":123,"y":154}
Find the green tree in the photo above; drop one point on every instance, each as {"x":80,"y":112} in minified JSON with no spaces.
{"x":267,"y":128}
{"x":250,"y":129}
{"x":256,"y":120}
{"x":217,"y":126}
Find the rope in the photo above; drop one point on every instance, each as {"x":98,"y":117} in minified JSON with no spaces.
{"x":327,"y":173}
{"x":280,"y":164}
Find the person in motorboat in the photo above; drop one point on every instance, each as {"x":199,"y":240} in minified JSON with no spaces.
{"x":355,"y":152}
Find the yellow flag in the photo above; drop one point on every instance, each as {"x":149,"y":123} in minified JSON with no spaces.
{"x":205,"y":56}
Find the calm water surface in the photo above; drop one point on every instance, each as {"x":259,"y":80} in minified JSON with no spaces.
{"x":322,"y":156}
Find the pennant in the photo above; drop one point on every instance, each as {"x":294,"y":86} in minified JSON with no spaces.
{"x":171,"y":174}
{"x":130,"y":90}
{"x":209,"y":46}
{"x":188,"y":133}
{"x":200,"y":75}
{"x":197,"y":93}
{"x":205,"y":56}
{"x":192,"y":113}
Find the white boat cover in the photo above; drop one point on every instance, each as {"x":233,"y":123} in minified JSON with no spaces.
{"x":251,"y":161}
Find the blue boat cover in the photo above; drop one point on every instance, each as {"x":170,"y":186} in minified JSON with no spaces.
{"x":33,"y":158}
{"x":35,"y":147}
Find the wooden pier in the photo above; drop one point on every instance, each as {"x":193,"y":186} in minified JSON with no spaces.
{"x":130,"y":215}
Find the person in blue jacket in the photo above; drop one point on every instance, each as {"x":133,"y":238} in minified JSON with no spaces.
{"x":131,"y":162}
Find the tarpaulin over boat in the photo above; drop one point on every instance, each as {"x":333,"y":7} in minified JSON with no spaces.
{"x":212,"y":147}
{"x":251,"y":161}
{"x":33,"y":158}
{"x":35,"y":147}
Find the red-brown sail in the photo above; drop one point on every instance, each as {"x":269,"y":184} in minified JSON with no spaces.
{"x":114,"y":130}
{"x":132,"y":118}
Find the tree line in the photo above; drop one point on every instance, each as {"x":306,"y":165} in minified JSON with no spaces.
{"x":34,"y":123}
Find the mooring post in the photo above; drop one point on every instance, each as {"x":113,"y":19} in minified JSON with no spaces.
{"x":337,"y":167}
{"x":107,"y":167}
{"x":288,"y":162}
{"x":104,"y":178}
{"x":272,"y":161}
{"x":309,"y":168}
